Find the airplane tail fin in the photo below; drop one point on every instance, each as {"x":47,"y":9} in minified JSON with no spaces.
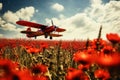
{"x":27,"y":32}
{"x":28,"y":29}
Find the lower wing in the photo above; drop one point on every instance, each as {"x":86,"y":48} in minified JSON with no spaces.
{"x":55,"y":35}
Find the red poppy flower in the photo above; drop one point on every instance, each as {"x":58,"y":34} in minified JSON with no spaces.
{"x":113,"y":37}
{"x":75,"y":74}
{"x":27,"y":47}
{"x":42,"y":77}
{"x":111,"y":60}
{"x":7,"y":67}
{"x":44,"y":45}
{"x":84,"y":67}
{"x":95,"y":43}
{"x":39,"y":69}
{"x":2,"y":44}
{"x":82,"y":57}
{"x":108,"y":50}
{"x":20,"y":75}
{"x":102,"y":74}
{"x":33,"y":50}
{"x":65,"y":45}
{"x":90,"y":51}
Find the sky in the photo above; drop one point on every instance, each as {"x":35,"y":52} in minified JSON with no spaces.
{"x":81,"y":18}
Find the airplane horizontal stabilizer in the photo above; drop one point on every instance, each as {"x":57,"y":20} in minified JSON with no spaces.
{"x":28,"y":32}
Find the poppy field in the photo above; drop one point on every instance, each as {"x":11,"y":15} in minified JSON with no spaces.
{"x":95,"y":59}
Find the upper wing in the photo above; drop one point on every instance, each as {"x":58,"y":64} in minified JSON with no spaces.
{"x":31,"y":24}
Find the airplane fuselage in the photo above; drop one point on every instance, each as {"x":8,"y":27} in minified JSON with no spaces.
{"x":48,"y":29}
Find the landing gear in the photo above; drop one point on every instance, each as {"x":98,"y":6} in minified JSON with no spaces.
{"x":35,"y":37}
{"x":50,"y":37}
{"x":46,"y":35}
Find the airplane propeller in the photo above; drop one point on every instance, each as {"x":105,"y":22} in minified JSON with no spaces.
{"x":55,"y":27}
{"x":52,"y":22}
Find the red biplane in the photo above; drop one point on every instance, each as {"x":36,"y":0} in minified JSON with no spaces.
{"x":42,"y":29}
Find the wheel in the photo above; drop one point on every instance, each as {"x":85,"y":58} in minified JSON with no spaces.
{"x":46,"y":35}
{"x":50,"y":37}
{"x":35,"y":37}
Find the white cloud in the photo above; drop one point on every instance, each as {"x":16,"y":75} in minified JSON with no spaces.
{"x":9,"y":16}
{"x":1,"y":35}
{"x":108,"y":16}
{"x":8,"y":26}
{"x":61,"y":16}
{"x":58,"y":7}
{"x":87,"y":23}
{"x":26,"y":13}
{"x":2,"y":21}
{"x":36,"y":10}
{"x":95,"y":3}
{"x":1,"y":6}
{"x":8,"y":20}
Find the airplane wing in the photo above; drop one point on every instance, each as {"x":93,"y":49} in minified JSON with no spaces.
{"x":31,"y":24}
{"x":60,"y":30}
{"x":55,"y":35}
